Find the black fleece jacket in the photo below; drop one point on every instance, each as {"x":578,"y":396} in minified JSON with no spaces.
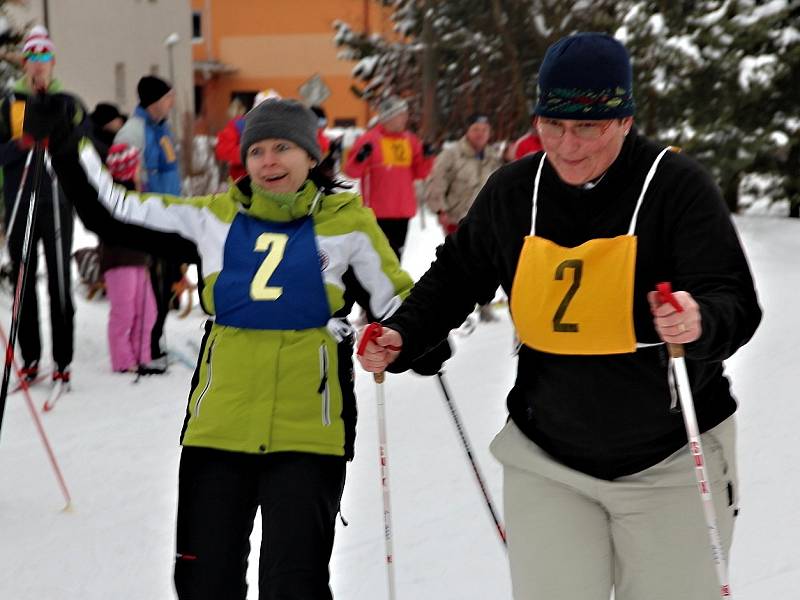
{"x":609,"y":415}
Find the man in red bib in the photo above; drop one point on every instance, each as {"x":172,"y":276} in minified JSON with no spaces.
{"x":599,"y":486}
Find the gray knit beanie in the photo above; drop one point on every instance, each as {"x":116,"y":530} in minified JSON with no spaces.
{"x":277,"y":118}
{"x":391,"y":107}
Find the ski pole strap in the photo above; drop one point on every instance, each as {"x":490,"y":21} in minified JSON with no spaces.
{"x":665,"y":296}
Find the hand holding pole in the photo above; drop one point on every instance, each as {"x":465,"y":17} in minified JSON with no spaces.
{"x":372,"y":332}
{"x":676,"y":353}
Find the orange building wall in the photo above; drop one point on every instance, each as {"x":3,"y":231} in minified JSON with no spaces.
{"x":279,"y":44}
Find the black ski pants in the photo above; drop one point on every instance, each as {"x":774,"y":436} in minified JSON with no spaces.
{"x":395,"y":231}
{"x":59,"y":280}
{"x":163,"y":274}
{"x":218,"y":494}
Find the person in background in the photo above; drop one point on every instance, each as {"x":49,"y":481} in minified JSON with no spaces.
{"x":132,"y":311}
{"x":529,"y":143}
{"x":458,"y":174}
{"x":388,"y":159}
{"x":227,"y":148}
{"x":53,"y":223}
{"x":106,"y":121}
{"x":599,"y":481}
{"x":270,"y":421}
{"x":148,"y":131}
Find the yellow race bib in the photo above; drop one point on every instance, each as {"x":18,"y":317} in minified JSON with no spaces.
{"x":576,"y":300}
{"x":169,"y":150}
{"x":396,"y":152}
{"x":17,"y":118}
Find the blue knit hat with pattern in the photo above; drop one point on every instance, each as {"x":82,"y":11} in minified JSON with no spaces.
{"x":586,"y":76}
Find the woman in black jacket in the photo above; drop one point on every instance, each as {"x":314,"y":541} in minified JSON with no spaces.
{"x":599,"y":485}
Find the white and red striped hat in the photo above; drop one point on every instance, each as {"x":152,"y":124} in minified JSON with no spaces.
{"x":122,"y":161}
{"x":38,"y":42}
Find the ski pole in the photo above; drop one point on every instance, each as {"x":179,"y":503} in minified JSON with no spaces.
{"x":40,"y":428}
{"x":677,"y":357}
{"x":62,"y":289}
{"x":468,"y":449}
{"x":14,"y":210}
{"x":373,"y":331}
{"x":22,"y":274}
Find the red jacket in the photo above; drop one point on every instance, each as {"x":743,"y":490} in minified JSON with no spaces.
{"x":387,"y":175}
{"x":527,"y":144}
{"x":227,"y":149}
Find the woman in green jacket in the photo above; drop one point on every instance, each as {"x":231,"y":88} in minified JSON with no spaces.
{"x":270,"y":421}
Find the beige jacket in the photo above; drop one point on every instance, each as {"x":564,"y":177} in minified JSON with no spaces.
{"x":457,"y":177}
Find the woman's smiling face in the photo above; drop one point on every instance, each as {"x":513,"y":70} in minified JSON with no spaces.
{"x":278,"y":165}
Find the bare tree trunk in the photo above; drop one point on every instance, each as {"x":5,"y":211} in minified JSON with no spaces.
{"x":430,"y":112}
{"x":517,"y":91}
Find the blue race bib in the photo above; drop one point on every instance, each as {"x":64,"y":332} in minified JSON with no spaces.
{"x":271,"y":276}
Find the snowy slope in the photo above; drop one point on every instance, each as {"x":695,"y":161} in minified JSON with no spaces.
{"x":117,"y":446}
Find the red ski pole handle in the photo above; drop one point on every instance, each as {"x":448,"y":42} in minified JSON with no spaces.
{"x":665,"y":295}
{"x":372,"y":333}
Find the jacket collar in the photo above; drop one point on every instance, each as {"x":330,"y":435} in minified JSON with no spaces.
{"x":142,"y":112}
{"x":269,"y":206}
{"x":21,"y":85}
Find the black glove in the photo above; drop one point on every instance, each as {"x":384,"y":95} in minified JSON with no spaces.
{"x":428,"y":149}
{"x":431,"y":362}
{"x":47,"y":118}
{"x":364,"y":152}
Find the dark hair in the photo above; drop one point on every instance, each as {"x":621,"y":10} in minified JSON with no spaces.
{"x":322,"y":177}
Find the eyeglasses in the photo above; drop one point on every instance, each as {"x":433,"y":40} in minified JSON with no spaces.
{"x":584,"y":130}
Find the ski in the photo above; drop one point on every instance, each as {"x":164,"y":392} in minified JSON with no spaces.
{"x":59,"y":389}
{"x":29,"y":384}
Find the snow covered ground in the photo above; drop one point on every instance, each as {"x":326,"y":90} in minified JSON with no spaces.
{"x":117,"y":446}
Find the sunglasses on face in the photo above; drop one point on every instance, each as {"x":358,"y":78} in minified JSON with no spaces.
{"x":38,"y":56}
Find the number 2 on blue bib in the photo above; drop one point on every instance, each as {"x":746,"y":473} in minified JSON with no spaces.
{"x":271,"y":276}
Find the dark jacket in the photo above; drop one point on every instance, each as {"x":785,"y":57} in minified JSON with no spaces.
{"x":607,"y":416}
{"x":13,"y":155}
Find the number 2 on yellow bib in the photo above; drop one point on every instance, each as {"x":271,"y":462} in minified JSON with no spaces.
{"x":274,"y":244}
{"x":577,"y":269}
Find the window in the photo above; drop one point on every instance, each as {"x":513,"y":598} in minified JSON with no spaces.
{"x":119,"y":84}
{"x":345,"y":122}
{"x":198,"y":100}
{"x":247,"y":97}
{"x":197,"y":26}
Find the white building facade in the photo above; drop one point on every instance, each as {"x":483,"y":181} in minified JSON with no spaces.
{"x":103,"y":47}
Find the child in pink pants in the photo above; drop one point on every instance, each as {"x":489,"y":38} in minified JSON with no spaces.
{"x":127,"y":277}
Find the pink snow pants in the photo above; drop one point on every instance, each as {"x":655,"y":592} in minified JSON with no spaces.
{"x":131,"y":317}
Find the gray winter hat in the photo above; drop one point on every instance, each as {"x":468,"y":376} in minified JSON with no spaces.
{"x":391,"y":107}
{"x":277,"y":118}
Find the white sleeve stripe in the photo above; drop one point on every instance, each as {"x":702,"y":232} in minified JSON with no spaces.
{"x":356,"y":249}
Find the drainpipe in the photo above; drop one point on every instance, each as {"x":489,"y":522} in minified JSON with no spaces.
{"x":46,"y":14}
{"x":207,"y":32}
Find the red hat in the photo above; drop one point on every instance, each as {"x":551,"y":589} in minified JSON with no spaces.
{"x":38,"y":42}
{"x":122,"y":161}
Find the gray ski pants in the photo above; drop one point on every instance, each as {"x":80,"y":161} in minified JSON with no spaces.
{"x":576,"y":537}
